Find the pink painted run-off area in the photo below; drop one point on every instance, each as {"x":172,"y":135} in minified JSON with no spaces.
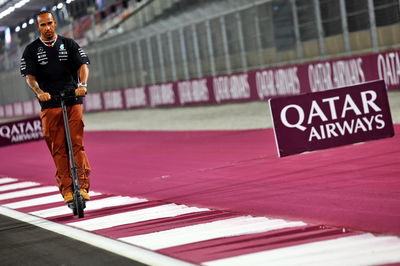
{"x":354,"y":186}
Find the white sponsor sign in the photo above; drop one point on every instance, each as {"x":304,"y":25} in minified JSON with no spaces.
{"x":135,"y":97}
{"x":231,"y":87}
{"x":193,"y":91}
{"x":113,"y":100}
{"x":277,"y":82}
{"x":162,"y":94}
{"x":389,"y":68}
{"x":328,"y":75}
{"x":93,"y":102}
{"x":28,"y":108}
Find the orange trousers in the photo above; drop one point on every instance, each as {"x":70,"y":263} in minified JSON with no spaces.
{"x":54,"y":135}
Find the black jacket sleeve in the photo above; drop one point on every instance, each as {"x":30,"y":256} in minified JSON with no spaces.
{"x":78,"y":55}
{"x":28,"y":64}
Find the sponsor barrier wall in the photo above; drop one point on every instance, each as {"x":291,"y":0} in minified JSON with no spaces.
{"x":239,"y":87}
{"x":321,"y":120}
{"x":20,"y":131}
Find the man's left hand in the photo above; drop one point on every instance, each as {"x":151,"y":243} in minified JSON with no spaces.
{"x":80,"y":91}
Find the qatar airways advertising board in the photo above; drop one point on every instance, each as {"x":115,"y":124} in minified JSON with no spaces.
{"x":20,"y":131}
{"x":326,"y":119}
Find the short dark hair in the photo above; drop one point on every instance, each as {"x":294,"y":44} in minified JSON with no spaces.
{"x":43,"y":12}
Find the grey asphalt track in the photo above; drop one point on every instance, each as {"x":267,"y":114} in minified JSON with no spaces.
{"x":23,"y":244}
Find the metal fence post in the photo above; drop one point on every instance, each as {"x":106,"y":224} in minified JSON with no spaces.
{"x":161,"y":58}
{"x":210,"y":47}
{"x":141,"y":65}
{"x":372,"y":23}
{"x":113,"y":67}
{"x":299,"y":48}
{"x":151,"y":65}
{"x":196,"y":51}
{"x":132,"y":77}
{"x":261,"y":59}
{"x":225,"y":44}
{"x":345,"y":26}
{"x":99,"y":67}
{"x":319,"y":28}
{"x":184,"y":55}
{"x":124,"y":66}
{"x":171,"y":52}
{"x":241,"y":41}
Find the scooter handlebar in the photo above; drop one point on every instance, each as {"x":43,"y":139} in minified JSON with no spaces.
{"x":64,"y":95}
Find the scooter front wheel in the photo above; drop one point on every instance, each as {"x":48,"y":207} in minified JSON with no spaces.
{"x":79,"y":206}
{"x":72,"y":206}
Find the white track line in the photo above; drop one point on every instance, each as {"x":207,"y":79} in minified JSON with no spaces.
{"x":28,"y":192}
{"x":108,"y":244}
{"x":365,"y":249}
{"x":242,"y":225}
{"x":34,"y":202}
{"x":40,"y":201}
{"x":5,"y":180}
{"x":163,"y":211}
{"x":90,"y":205}
{"x":111,"y":202}
{"x":18,"y":186}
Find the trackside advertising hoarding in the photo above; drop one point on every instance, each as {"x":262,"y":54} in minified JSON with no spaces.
{"x":254,"y":85}
{"x":326,"y":119}
{"x":20,"y":131}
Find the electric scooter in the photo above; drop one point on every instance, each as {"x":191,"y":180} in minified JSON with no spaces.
{"x":78,"y":203}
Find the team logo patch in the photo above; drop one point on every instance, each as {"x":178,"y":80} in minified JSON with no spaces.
{"x":42,"y":56}
{"x":62,"y":53}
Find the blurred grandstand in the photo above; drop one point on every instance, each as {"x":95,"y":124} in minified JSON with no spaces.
{"x":134,"y":43}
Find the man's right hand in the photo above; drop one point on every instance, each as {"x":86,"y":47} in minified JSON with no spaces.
{"x":43,"y":96}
